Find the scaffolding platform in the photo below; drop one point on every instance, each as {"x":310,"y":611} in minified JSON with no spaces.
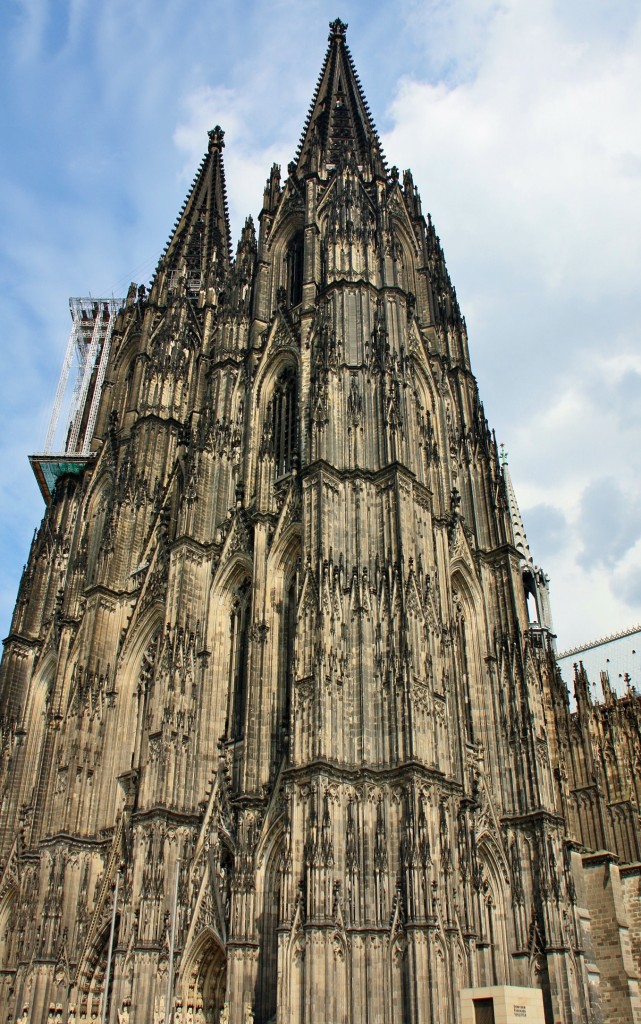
{"x":67,"y":447}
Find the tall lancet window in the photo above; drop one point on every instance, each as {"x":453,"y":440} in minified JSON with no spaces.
{"x":284,"y":424}
{"x":286,"y":667}
{"x":464,"y":668}
{"x":294,"y":263}
{"x":289,"y":635}
{"x":239,"y":625}
{"x":529,"y":587}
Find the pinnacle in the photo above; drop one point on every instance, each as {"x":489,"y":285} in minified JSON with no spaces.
{"x":520,"y":538}
{"x":216,"y":138}
{"x":337,"y":29}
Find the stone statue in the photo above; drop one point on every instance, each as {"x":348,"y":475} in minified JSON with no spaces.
{"x":123,"y":1013}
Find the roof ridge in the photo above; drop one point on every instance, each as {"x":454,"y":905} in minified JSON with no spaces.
{"x":600,"y":642}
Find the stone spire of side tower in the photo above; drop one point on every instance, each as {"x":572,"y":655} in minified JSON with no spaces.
{"x":198,"y":254}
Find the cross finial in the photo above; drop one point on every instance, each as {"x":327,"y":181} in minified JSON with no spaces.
{"x":337,"y":29}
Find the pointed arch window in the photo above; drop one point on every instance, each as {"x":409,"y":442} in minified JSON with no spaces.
{"x":130,"y":402}
{"x":239,"y":624}
{"x":98,"y":537}
{"x":529,"y":589}
{"x":294,"y":266}
{"x":8,"y":916}
{"x":284,"y":422}
{"x":464,"y":668}
{"x":288,"y":641}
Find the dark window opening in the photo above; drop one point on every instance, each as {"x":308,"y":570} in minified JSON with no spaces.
{"x":490,"y":921}
{"x":284,"y":425}
{"x":290,"y":635}
{"x":130,"y":397}
{"x":465,"y":670}
{"x":294,"y":262}
{"x":530,"y":598}
{"x":239,"y":630}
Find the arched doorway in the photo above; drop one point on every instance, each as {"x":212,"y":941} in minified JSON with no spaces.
{"x":205,"y":978}
{"x":91,"y":977}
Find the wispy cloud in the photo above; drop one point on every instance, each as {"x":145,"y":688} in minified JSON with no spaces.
{"x":519,"y":120}
{"x":528,"y":158}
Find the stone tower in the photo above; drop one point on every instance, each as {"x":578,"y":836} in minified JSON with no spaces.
{"x":277,"y":733}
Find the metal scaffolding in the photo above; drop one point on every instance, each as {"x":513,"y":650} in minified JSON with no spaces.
{"x":92,"y":322}
{"x":67,"y":447}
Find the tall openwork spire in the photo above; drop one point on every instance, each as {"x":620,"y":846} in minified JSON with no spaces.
{"x":199,"y":248}
{"x":339,"y":118}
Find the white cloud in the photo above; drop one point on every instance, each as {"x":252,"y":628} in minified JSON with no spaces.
{"x":537,"y":149}
{"x":519,"y":120}
{"x":527,"y":152}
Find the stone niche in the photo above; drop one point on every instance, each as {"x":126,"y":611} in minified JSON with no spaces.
{"x":502,"y":1004}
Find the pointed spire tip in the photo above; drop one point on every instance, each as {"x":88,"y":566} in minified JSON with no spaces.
{"x":216,"y":138}
{"x":337,"y":29}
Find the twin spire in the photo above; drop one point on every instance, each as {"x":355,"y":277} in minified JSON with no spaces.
{"x":339,"y":121}
{"x":339,"y":125}
{"x":199,"y":250}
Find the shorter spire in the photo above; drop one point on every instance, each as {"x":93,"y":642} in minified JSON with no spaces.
{"x":199,"y":249}
{"x":216,"y":139}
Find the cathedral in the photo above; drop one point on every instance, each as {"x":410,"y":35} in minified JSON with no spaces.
{"x":283,"y":738}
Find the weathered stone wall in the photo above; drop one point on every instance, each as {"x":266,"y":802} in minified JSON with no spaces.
{"x":612,"y":939}
{"x":631,"y":888}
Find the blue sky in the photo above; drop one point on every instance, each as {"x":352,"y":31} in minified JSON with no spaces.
{"x":619,"y":658}
{"x":520,"y":122}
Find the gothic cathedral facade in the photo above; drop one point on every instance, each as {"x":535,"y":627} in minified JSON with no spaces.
{"x":280,"y":741}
